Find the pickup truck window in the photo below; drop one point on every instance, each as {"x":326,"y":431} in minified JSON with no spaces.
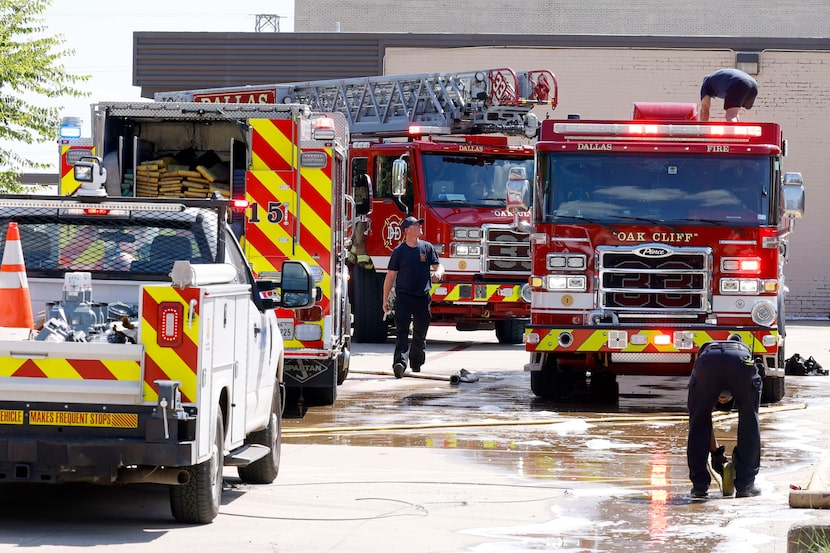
{"x":109,"y":247}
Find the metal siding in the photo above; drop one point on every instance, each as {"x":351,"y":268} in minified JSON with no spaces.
{"x":176,"y":61}
{"x":172,"y":61}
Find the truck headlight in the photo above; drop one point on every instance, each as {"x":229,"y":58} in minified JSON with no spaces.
{"x":739,"y":286}
{"x":465,"y":250}
{"x":574,"y":283}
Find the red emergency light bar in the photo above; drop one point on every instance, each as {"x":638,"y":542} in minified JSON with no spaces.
{"x":578,"y":130}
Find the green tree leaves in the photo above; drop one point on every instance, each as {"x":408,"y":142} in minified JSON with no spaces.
{"x":31,"y":71}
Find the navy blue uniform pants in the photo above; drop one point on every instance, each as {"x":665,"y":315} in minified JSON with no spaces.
{"x":724,"y":366}
{"x":415,"y":309}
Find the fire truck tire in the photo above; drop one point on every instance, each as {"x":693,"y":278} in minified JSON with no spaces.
{"x":369,"y":326}
{"x":511,"y":331}
{"x":552,"y":382}
{"x":266,"y":469}
{"x":343,"y":365}
{"x":197,"y":502}
{"x":773,"y":389}
{"x":605,"y":388}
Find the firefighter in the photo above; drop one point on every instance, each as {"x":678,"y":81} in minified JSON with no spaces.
{"x":413,"y":266}
{"x":724,"y":365}
{"x":738,"y":89}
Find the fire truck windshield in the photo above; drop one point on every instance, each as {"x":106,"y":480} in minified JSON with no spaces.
{"x":469,"y":179}
{"x":610,"y":187}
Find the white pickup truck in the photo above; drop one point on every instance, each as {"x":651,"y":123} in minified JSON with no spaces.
{"x":155,"y":355}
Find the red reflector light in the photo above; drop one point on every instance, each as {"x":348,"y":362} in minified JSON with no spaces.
{"x":96,"y":211}
{"x":169,"y":331}
{"x":309,"y":315}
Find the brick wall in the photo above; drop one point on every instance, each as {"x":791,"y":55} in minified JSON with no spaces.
{"x":602,"y":83}
{"x":755,"y":18}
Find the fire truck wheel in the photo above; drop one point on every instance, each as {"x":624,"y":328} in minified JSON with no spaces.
{"x":552,"y":382}
{"x":773,"y":389}
{"x":343,"y":365}
{"x":197,"y":502}
{"x":266,"y":469}
{"x":369,"y":326}
{"x":511,"y":331}
{"x":605,"y":388}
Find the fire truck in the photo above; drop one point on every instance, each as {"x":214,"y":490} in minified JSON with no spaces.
{"x":448,"y":135}
{"x":285,"y":168}
{"x":650,"y":237}
{"x":148,"y":355}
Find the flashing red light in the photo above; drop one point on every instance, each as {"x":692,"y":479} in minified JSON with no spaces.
{"x":662,"y":340}
{"x":240,"y":205}
{"x":96,"y":211}
{"x":169,"y":333}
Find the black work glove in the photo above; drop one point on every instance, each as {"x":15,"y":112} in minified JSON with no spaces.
{"x":718,"y":459}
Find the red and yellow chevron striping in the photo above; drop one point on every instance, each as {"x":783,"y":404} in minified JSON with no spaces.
{"x":586,"y":340}
{"x":476,"y":292}
{"x":170,"y":363}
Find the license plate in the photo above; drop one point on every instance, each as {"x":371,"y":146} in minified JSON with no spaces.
{"x":286,"y":329}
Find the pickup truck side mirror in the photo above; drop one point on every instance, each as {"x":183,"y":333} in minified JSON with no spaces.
{"x":296,"y":287}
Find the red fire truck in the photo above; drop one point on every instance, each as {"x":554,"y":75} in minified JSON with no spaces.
{"x":650,"y":237}
{"x":448,"y":135}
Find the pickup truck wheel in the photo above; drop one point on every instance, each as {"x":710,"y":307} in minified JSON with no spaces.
{"x":369,"y":326}
{"x":511,"y":331}
{"x":197,"y":502}
{"x":265,"y":470}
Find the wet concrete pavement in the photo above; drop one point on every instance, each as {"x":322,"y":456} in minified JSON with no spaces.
{"x":419,"y":464}
{"x":617,"y":475}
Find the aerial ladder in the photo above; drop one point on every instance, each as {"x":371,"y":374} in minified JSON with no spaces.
{"x":475,"y":102}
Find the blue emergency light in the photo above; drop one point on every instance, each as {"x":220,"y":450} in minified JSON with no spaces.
{"x":70,"y":127}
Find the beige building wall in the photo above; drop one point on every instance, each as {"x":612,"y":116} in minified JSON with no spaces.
{"x":603,"y":83}
{"x":750,"y":18}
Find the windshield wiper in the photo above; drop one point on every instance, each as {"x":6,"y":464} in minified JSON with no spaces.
{"x":647,"y":220}
{"x":714,"y":222}
{"x":586,"y":219}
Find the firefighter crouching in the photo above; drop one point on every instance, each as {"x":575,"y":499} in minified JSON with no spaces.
{"x":724,"y":365}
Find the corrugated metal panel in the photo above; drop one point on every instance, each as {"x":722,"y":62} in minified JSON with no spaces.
{"x":176,"y":61}
{"x":173,"y":61}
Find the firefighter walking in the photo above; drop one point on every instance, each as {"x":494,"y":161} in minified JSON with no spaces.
{"x":724,"y":365}
{"x":413,"y":266}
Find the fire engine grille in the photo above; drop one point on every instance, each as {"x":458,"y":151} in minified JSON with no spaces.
{"x":654,"y":278}
{"x":506,"y":252}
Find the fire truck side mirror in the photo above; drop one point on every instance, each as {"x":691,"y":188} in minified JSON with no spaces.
{"x":362,"y":192}
{"x":792,"y":193}
{"x":399,"y":168}
{"x":518,"y":190}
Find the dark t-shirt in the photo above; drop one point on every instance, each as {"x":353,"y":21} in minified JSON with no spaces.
{"x":738,"y":89}
{"x":413,"y":266}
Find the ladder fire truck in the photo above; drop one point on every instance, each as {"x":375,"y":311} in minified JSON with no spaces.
{"x":285,"y":168}
{"x":651,"y":237}
{"x":446,"y":135}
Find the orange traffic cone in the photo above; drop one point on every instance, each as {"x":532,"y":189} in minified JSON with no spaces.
{"x":15,"y":304}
